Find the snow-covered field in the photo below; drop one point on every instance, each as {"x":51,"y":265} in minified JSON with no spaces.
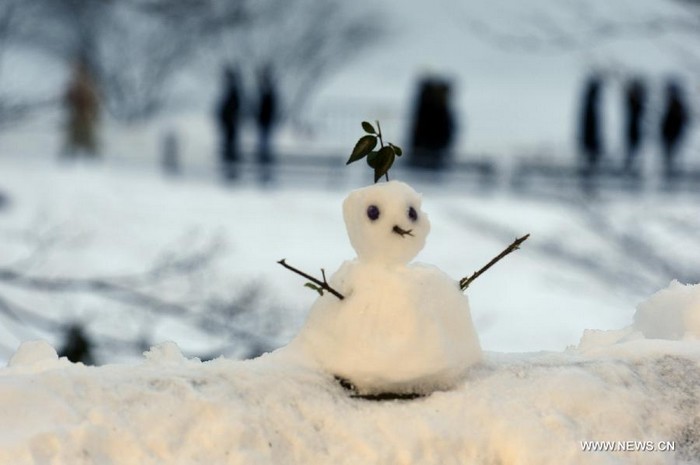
{"x":187,"y":265}
{"x":586,"y":265}
{"x":578,"y":271}
{"x":629,"y":402}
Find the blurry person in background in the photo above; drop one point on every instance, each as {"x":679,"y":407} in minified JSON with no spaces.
{"x":170,"y":153}
{"x":77,"y":345}
{"x":433,"y":125}
{"x":229,"y":120}
{"x":635,"y":104}
{"x":674,"y":120}
{"x":590,"y":141}
{"x":266,"y":116}
{"x":82,"y":106}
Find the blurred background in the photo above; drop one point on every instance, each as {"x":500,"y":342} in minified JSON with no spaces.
{"x":157,"y":157}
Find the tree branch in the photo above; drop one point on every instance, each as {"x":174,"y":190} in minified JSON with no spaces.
{"x":465,"y":282}
{"x":183,"y":268}
{"x":323,"y":284}
{"x":90,"y":285}
{"x":547,"y":35}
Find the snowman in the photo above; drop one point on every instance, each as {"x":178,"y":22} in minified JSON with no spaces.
{"x":390,"y":326}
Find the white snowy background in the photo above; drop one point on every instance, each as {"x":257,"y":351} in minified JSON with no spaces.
{"x":207,"y":251}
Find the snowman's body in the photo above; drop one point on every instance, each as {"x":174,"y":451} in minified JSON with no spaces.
{"x":400,"y":327}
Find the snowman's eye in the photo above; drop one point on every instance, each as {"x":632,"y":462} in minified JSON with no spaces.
{"x":413,"y":214}
{"x":373,"y":212}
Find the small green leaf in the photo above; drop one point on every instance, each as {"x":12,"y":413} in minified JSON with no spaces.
{"x":315,"y":288}
{"x":384,"y":160}
{"x":364,"y":146}
{"x":372,"y":159}
{"x":369,"y":129}
{"x":397,"y":149}
{"x":385,"y":152}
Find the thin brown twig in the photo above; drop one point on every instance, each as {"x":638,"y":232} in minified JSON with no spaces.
{"x":323,"y":284}
{"x":465,"y":282}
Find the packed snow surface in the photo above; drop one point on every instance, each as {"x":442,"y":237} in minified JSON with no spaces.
{"x":399,"y":327}
{"x":637,"y":399}
{"x":622,"y":387}
{"x":671,"y":313}
{"x":539,"y":408}
{"x":108,"y":220}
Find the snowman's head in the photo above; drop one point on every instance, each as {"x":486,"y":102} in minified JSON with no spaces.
{"x":385,"y":222}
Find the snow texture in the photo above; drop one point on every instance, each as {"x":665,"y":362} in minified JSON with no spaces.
{"x":34,"y":353}
{"x":671,"y":313}
{"x":622,"y":387}
{"x":400,"y":328}
{"x":283,"y":408}
{"x":76,"y":210}
{"x":526,"y":409}
{"x":377,"y":240}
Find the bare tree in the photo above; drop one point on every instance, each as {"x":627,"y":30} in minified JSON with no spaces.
{"x":200,"y":19}
{"x":151,"y":40}
{"x":12,"y":108}
{"x":572,"y":24}
{"x":135,"y":58}
{"x":303,"y":41}
{"x":132,"y":49}
{"x":622,"y":251}
{"x":173,"y":288}
{"x":7,"y":15}
{"x":65,"y":28}
{"x":135,"y":47}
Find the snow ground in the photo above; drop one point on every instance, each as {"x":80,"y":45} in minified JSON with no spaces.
{"x":532,"y":409}
{"x":586,"y":264}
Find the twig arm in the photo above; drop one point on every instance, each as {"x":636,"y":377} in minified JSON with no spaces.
{"x":322,"y":284}
{"x":465,"y":282}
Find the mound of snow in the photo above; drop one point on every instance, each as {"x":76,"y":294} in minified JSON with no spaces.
{"x":671,"y":313}
{"x":541,"y":408}
{"x":34,"y":353}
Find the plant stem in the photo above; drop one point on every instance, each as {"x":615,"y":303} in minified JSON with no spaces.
{"x":465,"y":282}
{"x":379,"y":134}
{"x":381,"y":143}
{"x":323,"y":284}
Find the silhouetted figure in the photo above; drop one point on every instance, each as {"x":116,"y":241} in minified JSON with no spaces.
{"x":82,"y":106}
{"x":433,"y":125}
{"x":229,"y":113}
{"x":266,"y":118}
{"x":170,"y":156}
{"x":77,"y":346}
{"x":635,"y":104}
{"x":590,"y":140}
{"x":674,"y":121}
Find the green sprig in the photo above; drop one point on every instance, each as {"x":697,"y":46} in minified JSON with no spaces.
{"x":379,"y":160}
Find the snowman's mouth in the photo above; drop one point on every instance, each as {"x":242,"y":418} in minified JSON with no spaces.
{"x":402,"y":232}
